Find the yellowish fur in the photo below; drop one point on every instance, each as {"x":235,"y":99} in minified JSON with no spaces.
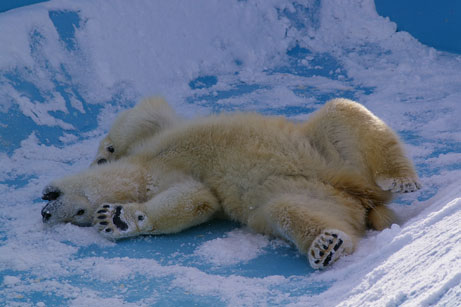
{"x":347,"y":131}
{"x":380,"y":218}
{"x":294,"y":181}
{"x":133,"y":126}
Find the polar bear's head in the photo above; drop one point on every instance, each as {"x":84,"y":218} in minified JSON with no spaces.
{"x":66,"y":203}
{"x":75,"y":198}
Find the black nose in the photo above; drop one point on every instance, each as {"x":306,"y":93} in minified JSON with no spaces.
{"x":102,"y":161}
{"x":51,"y":193}
{"x":45,"y":214}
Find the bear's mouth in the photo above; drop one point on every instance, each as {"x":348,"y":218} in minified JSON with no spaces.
{"x":53,"y":213}
{"x":81,"y":224}
{"x":51,"y":217}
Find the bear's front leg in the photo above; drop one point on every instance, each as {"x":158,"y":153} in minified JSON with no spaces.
{"x":181,"y":206}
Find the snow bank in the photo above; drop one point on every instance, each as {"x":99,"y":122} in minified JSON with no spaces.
{"x":414,"y":265}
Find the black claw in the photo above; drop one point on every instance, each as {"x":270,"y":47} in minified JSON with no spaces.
{"x":321,"y":253}
{"x":101,"y":217}
{"x":327,"y":259}
{"x":106,"y":206}
{"x":337,"y":246}
{"x":317,"y":261}
{"x":325,"y":247}
{"x":102,"y":211}
{"x":334,"y":235}
{"x":104,"y":223}
{"x":108,"y":230}
{"x":141,"y":218}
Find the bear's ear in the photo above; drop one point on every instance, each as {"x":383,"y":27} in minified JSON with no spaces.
{"x":51,"y":193}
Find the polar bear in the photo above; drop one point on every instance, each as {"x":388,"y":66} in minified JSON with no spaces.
{"x":133,"y":126}
{"x":318,"y":184}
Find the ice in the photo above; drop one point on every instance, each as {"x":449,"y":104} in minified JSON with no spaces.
{"x":68,"y":67}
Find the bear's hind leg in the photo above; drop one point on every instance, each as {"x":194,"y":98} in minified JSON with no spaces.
{"x":183,"y":205}
{"x":346,"y":130}
{"x":398,"y":184}
{"x":322,"y":230}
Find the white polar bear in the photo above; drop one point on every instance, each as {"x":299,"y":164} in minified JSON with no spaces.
{"x":133,"y":126}
{"x":317,"y":184}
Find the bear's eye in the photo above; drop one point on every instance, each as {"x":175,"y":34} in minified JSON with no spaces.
{"x":110,"y":149}
{"x":80,"y":212}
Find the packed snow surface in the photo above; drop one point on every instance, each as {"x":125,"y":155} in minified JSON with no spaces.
{"x":68,"y":67}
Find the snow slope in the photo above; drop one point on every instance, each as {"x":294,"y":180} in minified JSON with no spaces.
{"x":67,"y":68}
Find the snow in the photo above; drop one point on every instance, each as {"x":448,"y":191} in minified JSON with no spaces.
{"x":221,"y":251}
{"x":68,"y":67}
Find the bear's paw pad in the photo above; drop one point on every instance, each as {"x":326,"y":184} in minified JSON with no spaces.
{"x":399,"y":185}
{"x":114,"y":222}
{"x":328,"y":247}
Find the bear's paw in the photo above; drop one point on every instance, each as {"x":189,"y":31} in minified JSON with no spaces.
{"x":328,"y":247}
{"x":399,"y":185}
{"x":114,"y":221}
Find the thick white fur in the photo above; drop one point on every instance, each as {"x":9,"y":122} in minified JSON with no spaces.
{"x":133,"y":126}
{"x":302,"y":182}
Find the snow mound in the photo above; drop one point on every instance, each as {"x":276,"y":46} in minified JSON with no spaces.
{"x":221,"y":251}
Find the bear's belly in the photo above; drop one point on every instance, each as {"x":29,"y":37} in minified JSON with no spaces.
{"x":241,"y":196}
